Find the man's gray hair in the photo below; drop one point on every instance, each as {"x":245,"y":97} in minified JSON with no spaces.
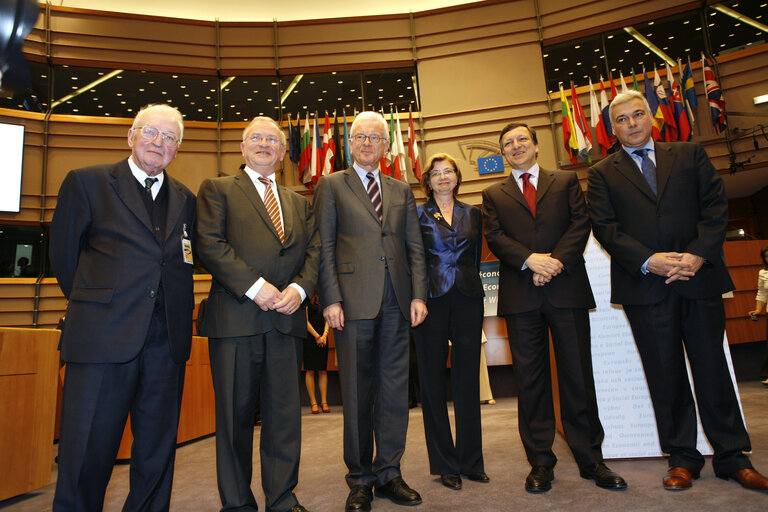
{"x":265,"y":119}
{"x":163,"y":108}
{"x":371,"y":116}
{"x":625,"y":97}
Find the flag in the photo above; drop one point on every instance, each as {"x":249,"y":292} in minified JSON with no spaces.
{"x":634,"y":81}
{"x":614,"y":92}
{"x":490,"y":164}
{"x":714,"y":96}
{"x":338,"y":162}
{"x":386,"y":162}
{"x":347,"y":154}
{"x":329,"y":147}
{"x":569,"y":137}
{"x":305,"y":158}
{"x":583,"y":134}
{"x":624,"y":87}
{"x":604,"y":104}
{"x":392,"y":155}
{"x":670,"y":126}
{"x":293,"y":150}
{"x":681,"y":117}
{"x":317,"y":148}
{"x":596,"y":118}
{"x":413,"y":147}
{"x":689,"y":91}
{"x":400,"y":157}
{"x":653,"y":102}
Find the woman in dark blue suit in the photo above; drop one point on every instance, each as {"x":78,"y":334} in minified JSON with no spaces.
{"x":452,"y":234}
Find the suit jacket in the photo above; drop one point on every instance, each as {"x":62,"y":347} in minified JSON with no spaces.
{"x":238,"y":244}
{"x":690,"y":214}
{"x":356,"y":248}
{"x":561,"y":227}
{"x":452,"y":251}
{"x":109,"y":265}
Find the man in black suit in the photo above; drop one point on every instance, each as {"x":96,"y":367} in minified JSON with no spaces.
{"x":536,"y":223}
{"x":258,"y":240}
{"x":120,"y":247}
{"x":372,"y":286}
{"x":660,"y":211}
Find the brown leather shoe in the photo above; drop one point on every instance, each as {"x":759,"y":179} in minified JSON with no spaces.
{"x":678,"y":479}
{"x":749,"y":479}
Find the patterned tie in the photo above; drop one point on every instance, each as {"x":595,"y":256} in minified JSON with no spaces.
{"x":529,"y":192}
{"x":649,"y":169}
{"x":148,"y":182}
{"x":374,"y":193}
{"x":272,"y":208}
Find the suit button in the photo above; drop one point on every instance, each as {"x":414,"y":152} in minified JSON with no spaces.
{"x":381,"y":258}
{"x":152,"y":294}
{"x":282,"y":251}
{"x":162,"y":263}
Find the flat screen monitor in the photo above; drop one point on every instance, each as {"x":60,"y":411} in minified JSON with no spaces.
{"x":11,"y":158}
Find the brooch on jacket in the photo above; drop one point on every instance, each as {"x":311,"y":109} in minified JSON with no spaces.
{"x":438,"y":215}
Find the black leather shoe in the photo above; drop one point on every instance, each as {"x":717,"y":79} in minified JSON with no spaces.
{"x":399,"y":492}
{"x":298,"y":508}
{"x":451,"y":481}
{"x":480,"y":476}
{"x":602,"y":476}
{"x":539,"y":479}
{"x":360,"y":498}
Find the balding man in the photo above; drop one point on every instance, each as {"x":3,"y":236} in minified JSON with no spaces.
{"x":372,"y":286}
{"x":258,"y":240}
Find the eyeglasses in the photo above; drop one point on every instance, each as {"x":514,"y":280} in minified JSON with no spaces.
{"x":637,"y":115}
{"x":269,"y":139}
{"x":439,"y":174}
{"x":375,"y":139}
{"x":150,"y":133}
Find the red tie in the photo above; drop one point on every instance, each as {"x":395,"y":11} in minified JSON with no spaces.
{"x":530,"y":193}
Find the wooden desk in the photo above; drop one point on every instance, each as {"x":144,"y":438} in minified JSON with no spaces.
{"x":29,"y":364}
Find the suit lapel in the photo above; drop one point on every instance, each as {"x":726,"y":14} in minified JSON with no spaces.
{"x":356,"y":185}
{"x":124,"y":184}
{"x":665,"y":160}
{"x":433,"y":212}
{"x":249,"y":189}
{"x":627,"y":168}
{"x":387,"y":184}
{"x":509,"y":186}
{"x":176,"y":201}
{"x":286,"y":206}
{"x":546,"y":178}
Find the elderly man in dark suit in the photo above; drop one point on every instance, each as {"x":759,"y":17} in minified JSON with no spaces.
{"x":372,"y":285}
{"x":120,"y":247}
{"x":660,"y":211}
{"x":536,"y":223}
{"x":258,"y":240}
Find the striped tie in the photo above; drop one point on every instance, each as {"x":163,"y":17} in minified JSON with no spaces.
{"x":374,"y":193}
{"x":271,"y":204}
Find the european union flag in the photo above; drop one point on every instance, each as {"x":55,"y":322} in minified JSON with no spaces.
{"x":490,"y":164}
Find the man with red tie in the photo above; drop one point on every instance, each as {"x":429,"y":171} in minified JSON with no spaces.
{"x":536,"y":224}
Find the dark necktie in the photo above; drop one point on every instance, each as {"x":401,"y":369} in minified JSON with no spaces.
{"x":648,"y":168}
{"x":374,"y":193}
{"x":272,"y":208}
{"x":148,"y":182}
{"x":529,"y":192}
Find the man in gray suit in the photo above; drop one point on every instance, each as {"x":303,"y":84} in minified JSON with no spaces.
{"x":372,"y":286}
{"x":259,"y":242}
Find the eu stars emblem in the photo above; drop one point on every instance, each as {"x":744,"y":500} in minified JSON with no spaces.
{"x":490,"y":164}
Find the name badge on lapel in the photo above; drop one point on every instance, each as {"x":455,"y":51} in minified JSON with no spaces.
{"x":186,"y":247}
